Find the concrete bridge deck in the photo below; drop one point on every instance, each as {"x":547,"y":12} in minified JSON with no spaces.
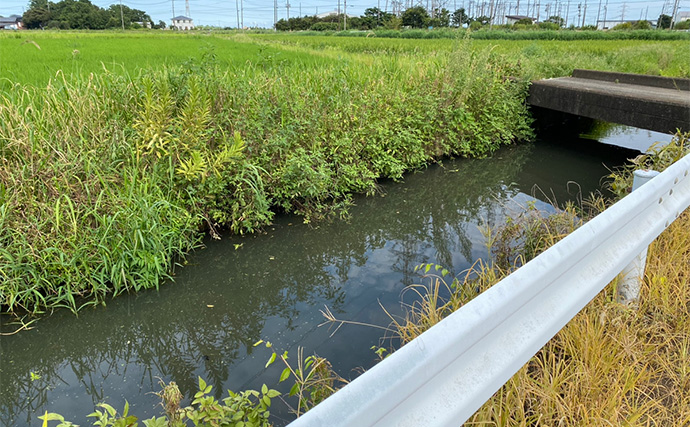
{"x":660,"y":104}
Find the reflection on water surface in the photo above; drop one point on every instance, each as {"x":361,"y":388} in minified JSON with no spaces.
{"x":272,"y":286}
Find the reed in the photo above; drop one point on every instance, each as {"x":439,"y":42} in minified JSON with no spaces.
{"x":107,"y":179}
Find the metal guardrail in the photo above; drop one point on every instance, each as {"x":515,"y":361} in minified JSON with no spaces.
{"x":442,"y":377}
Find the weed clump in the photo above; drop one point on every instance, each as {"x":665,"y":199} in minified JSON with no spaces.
{"x":107,"y":181}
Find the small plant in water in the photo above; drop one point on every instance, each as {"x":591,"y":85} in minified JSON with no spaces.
{"x":247,"y":408}
{"x":314,"y":378}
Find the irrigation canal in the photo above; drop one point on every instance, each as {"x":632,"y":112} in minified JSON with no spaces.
{"x":271,"y":286}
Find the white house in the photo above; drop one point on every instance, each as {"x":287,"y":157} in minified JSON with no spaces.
{"x":512,"y":19}
{"x":182,"y":23}
{"x":13,"y":22}
{"x":682,"y":16}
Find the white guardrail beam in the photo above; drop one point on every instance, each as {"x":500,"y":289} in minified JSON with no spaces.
{"x":442,"y":377}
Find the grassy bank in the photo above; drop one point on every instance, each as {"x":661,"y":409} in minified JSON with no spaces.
{"x":538,"y":58}
{"x":613,"y":364}
{"x":108,"y":179}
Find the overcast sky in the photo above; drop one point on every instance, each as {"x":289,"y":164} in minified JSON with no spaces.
{"x":260,"y":12}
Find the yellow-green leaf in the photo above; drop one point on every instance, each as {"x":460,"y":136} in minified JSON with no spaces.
{"x":271,"y":360}
{"x":285,"y":375}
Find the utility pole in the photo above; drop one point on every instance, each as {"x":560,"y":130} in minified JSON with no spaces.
{"x":345,"y":15}
{"x":567,"y":13}
{"x":173,"y":8}
{"x":598,"y":14}
{"x":186,"y":9}
{"x":122,"y":16}
{"x":378,"y":13}
{"x":673,"y":16}
{"x":242,"y":14}
{"x":579,"y":12}
{"x":606,"y":8}
{"x":275,"y":15}
{"x":584,"y":15}
{"x":491,"y":14}
{"x":287,"y":8}
{"x":625,"y":6}
{"x":237,"y":12}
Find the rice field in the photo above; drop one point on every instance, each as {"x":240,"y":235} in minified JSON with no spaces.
{"x":34,"y":57}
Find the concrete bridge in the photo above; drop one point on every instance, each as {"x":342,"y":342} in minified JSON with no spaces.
{"x":660,"y":104}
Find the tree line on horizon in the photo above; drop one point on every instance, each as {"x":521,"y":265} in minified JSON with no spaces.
{"x":419,"y":17}
{"x":84,"y":15}
{"x":414,"y":17}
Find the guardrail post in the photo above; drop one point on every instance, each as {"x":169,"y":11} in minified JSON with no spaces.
{"x":633,"y":274}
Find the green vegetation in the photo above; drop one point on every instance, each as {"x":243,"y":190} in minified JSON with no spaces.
{"x":249,"y":408}
{"x":109,"y":174}
{"x":313,"y":377}
{"x":33,"y":57}
{"x":82,"y":14}
{"x":107,"y":180}
{"x":537,"y":58}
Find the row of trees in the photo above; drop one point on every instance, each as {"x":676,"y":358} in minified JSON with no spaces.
{"x":82,"y":14}
{"x":414,"y":17}
{"x":419,"y":17}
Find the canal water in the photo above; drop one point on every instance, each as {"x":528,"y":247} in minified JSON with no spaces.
{"x":273,"y":285}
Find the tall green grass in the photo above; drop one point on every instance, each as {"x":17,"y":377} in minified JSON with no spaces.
{"x":569,"y":35}
{"x":107,"y":179}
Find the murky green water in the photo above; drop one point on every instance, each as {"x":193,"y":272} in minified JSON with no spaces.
{"x":272,"y":286}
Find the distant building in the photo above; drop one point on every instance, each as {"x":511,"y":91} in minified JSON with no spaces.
{"x":13,"y":22}
{"x":143,"y":24}
{"x":512,"y":19}
{"x":182,"y":23}
{"x":609,"y":24}
{"x":682,"y":16}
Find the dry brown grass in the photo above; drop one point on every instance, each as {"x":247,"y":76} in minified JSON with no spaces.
{"x":613,"y":365}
